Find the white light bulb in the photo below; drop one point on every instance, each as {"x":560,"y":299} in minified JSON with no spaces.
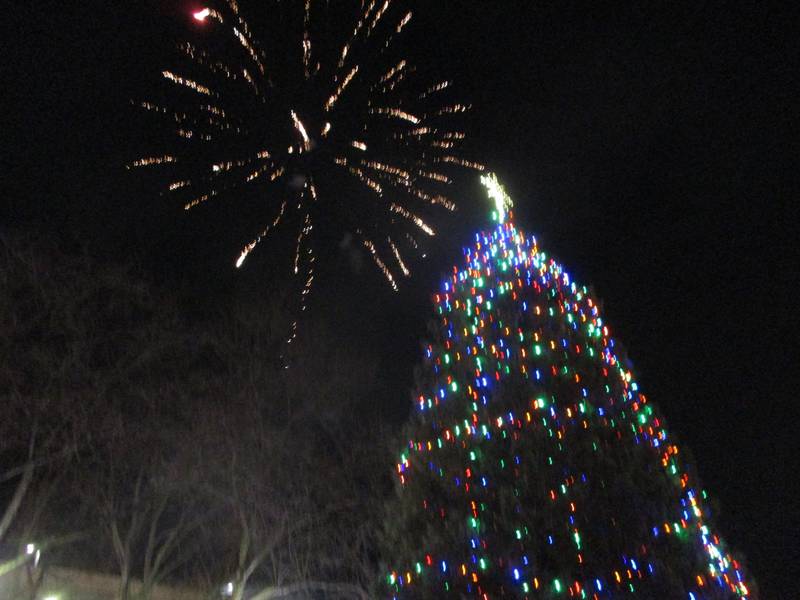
{"x":201,"y":15}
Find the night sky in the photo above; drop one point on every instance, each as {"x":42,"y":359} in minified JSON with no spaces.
{"x":644,"y":147}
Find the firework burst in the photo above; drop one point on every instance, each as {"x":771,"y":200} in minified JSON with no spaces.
{"x":330,"y":126}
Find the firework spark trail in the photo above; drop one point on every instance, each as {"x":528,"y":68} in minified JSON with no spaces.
{"x":434,"y":176}
{"x":339,"y":90}
{"x":301,"y":129}
{"x":412,"y":217}
{"x":396,"y":113}
{"x":378,"y":17}
{"x":383,"y":130}
{"x":149,"y":161}
{"x":394,"y":71}
{"x":399,"y":258}
{"x":369,"y":245}
{"x":356,"y":31}
{"x":176,"y":185}
{"x":192,"y":85}
{"x":307,"y":40}
{"x":251,"y":246}
{"x":435,"y":88}
{"x":460,"y":161}
{"x":367,"y":181}
{"x":304,"y":231}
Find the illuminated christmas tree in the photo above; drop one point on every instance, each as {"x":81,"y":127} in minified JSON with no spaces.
{"x":535,"y":466}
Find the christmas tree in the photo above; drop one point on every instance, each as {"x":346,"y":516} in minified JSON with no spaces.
{"x":535,"y":465}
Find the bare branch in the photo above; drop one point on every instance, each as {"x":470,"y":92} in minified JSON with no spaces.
{"x":16,"y":500}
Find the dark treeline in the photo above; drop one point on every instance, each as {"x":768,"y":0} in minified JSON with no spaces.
{"x":138,"y":442}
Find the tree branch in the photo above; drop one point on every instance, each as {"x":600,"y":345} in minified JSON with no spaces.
{"x":346,"y":590}
{"x":16,"y":500}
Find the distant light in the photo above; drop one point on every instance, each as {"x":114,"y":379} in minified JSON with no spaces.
{"x":202,"y":15}
{"x":30,"y":548}
{"x":51,"y":597}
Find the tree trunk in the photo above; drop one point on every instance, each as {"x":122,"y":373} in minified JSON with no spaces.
{"x":238,"y":589}
{"x":124,"y":583}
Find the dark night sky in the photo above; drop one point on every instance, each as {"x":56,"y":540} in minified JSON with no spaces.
{"x":645,"y":148}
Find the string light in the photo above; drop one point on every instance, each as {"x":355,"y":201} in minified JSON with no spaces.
{"x":520,"y":443}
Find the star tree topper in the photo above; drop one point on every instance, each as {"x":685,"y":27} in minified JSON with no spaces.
{"x":498,"y":195}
